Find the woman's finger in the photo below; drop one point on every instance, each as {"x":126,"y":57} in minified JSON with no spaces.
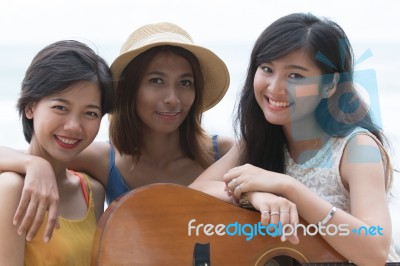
{"x":284,"y":215}
{"x":28,"y":218}
{"x":231,"y":174}
{"x":274,"y":216}
{"x":52,"y":222}
{"x":22,"y":206}
{"x":265,"y":217}
{"x":238,"y":191}
{"x":290,"y":232}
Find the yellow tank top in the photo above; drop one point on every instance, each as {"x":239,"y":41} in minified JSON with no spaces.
{"x":70,"y":245}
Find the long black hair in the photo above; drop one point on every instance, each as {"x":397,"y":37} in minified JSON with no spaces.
{"x":328,"y":47}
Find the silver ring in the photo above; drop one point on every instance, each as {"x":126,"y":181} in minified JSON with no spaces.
{"x":234,"y":182}
{"x":238,"y":187}
{"x":274,"y":213}
{"x":266,"y":213}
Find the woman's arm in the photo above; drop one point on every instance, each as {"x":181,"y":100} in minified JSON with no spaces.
{"x":39,"y":195}
{"x":224,"y":145}
{"x":94,"y":161}
{"x":12,"y":245}
{"x":40,"y":192}
{"x":211,"y":182}
{"x":369,"y":209}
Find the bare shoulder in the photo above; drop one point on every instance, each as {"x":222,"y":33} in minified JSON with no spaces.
{"x":96,"y":152}
{"x":11,"y":181}
{"x":225,"y":144}
{"x":363,"y":139}
{"x":362,"y":148}
{"x":362,"y":162}
{"x":11,"y":244}
{"x":11,"y":185}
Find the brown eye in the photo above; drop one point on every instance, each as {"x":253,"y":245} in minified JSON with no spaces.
{"x":59,"y":107}
{"x":92,"y":114}
{"x":266,"y":69}
{"x":186,"y":83}
{"x":296,"y":76}
{"x":156,"y":81}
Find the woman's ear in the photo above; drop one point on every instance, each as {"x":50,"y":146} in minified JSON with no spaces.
{"x":331,"y":88}
{"x":29,"y":111}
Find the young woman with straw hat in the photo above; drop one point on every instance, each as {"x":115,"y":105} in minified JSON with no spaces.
{"x":164,"y":82}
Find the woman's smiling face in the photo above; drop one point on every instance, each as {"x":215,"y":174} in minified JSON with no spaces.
{"x":288,"y":89}
{"x":166,"y":93}
{"x":65,"y":123}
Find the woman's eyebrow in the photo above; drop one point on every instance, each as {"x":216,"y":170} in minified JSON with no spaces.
{"x":68,"y":102}
{"x":297,"y":67}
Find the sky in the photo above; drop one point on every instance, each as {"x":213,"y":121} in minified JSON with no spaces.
{"x":101,"y":21}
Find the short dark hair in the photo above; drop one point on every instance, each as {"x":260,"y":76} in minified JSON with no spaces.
{"x":58,"y":66}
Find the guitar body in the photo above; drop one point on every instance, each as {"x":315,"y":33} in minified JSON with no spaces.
{"x":149,"y":226}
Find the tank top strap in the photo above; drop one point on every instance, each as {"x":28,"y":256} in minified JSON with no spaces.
{"x":112,"y":157}
{"x":214,"y":139}
{"x":82,"y":178}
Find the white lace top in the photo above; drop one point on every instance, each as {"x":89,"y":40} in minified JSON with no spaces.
{"x":321,"y":173}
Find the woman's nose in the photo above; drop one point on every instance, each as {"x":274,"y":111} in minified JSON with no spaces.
{"x":73,"y":124}
{"x":277,"y":85}
{"x":172,"y":97}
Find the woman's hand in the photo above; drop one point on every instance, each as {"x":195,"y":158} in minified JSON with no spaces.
{"x":276,"y":210}
{"x":262,"y":188}
{"x":247,"y":178}
{"x":40,"y":194}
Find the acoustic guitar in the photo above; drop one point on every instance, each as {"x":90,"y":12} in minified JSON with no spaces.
{"x":168,"y":224}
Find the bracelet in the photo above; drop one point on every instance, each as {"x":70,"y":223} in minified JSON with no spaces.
{"x":328,"y":216}
{"x":244,"y":202}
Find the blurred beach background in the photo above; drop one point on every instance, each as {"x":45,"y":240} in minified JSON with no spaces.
{"x":229,"y":28}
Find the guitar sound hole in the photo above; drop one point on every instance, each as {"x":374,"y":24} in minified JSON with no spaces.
{"x":282,"y":261}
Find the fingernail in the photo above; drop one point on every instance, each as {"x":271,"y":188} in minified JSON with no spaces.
{"x":28,"y":238}
{"x":46,"y":239}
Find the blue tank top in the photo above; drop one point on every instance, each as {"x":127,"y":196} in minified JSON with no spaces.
{"x":116,"y":185}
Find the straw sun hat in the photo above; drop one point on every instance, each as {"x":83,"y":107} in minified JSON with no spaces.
{"x":214,"y":70}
